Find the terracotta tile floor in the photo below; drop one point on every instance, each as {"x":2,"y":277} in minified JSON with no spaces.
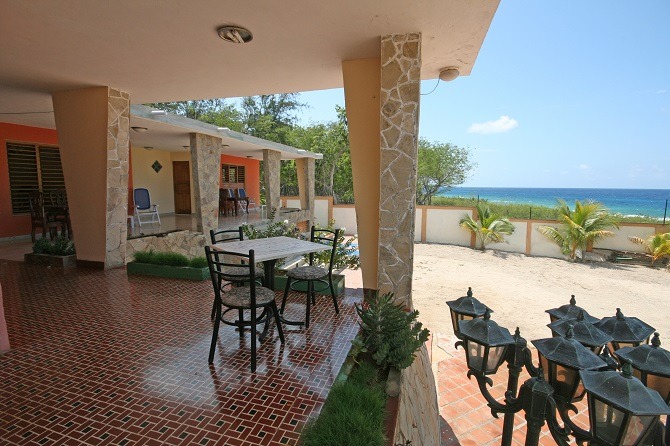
{"x":100,"y":358}
{"x":466,"y":419}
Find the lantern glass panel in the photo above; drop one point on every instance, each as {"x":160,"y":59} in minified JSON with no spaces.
{"x":475,"y":355}
{"x":455,"y":317}
{"x":636,"y":429}
{"x":658,"y":383}
{"x":495,"y":358}
{"x":565,"y":383}
{"x":614,"y":346}
{"x":606,"y":421}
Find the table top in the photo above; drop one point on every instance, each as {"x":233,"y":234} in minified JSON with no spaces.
{"x":272,"y":248}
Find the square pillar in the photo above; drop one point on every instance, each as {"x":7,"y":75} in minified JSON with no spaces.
{"x":306,"y":170}
{"x":93,"y":125}
{"x":271,"y":171}
{"x":205,"y":167}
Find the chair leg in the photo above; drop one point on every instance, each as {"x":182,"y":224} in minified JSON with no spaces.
{"x":213,"y":310}
{"x":240,"y":314}
{"x":286,"y":290}
{"x":275,"y":311}
{"x":253,"y":340}
{"x":332,"y":292}
{"x":215,"y":333}
{"x":310,"y":296}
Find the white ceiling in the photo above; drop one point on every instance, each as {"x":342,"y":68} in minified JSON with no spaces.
{"x":169,"y":50}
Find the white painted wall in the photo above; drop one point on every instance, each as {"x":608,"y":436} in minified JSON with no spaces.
{"x":418,"y":218}
{"x":321,"y":211}
{"x":345,"y":216}
{"x":442,"y":226}
{"x":160,"y":185}
{"x":540,"y":245}
{"x":515,"y":242}
{"x":620,"y":241}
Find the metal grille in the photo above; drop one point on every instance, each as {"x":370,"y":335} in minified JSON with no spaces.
{"x":233,"y":174}
{"x":51,"y":170}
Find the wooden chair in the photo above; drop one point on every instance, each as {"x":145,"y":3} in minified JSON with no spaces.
{"x":249,"y":297}
{"x":59,"y":210}
{"x":313,"y":273}
{"x":231,"y":198}
{"x":242,"y":197}
{"x":38,"y":217}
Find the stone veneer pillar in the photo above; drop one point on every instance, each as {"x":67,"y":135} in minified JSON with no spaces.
{"x":306,"y":170}
{"x":271,"y":170}
{"x":205,"y":170}
{"x":93,"y":125}
{"x":399,"y":97}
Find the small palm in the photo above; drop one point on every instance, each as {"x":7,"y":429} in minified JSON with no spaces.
{"x":488,"y":228}
{"x":657,"y":245}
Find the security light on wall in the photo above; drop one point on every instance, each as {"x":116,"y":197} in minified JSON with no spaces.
{"x":448,"y":74}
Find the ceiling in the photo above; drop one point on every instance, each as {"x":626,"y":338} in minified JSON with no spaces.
{"x":169,"y":50}
{"x":169,"y":132}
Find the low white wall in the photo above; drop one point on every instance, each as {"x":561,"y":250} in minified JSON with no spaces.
{"x":442,"y":226}
{"x":418,"y":219}
{"x":345,"y":216}
{"x":321,"y":206}
{"x":515,"y":242}
{"x":540,"y":245}
{"x":620,"y":241}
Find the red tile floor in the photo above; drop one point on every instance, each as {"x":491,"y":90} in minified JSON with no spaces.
{"x":466,"y":419}
{"x":101,"y":358}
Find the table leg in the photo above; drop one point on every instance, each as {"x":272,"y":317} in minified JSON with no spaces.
{"x":269,"y":268}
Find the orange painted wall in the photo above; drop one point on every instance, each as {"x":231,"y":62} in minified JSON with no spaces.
{"x":12,"y":225}
{"x":252,"y":173}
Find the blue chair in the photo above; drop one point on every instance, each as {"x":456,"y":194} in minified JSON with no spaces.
{"x":143,"y":206}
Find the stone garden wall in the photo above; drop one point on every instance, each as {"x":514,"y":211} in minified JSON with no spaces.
{"x":191,"y":244}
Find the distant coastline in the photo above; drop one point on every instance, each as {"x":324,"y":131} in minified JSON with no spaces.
{"x":627,"y":202}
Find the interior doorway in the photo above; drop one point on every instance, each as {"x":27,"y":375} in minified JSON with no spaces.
{"x":181,"y":178}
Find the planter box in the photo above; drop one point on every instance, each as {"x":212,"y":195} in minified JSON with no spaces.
{"x":51,"y":260}
{"x":167,"y":271}
{"x":338,"y":284}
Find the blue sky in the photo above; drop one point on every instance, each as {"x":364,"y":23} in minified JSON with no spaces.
{"x":563,"y":94}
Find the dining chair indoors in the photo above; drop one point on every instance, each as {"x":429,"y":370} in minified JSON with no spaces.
{"x":250,"y":297}
{"x":144,"y":207}
{"x":242,"y":197}
{"x":312,"y":274}
{"x":40,"y":218}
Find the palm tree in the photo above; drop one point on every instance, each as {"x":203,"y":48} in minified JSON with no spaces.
{"x":580,"y":227}
{"x":657,"y":245}
{"x":489,"y":228}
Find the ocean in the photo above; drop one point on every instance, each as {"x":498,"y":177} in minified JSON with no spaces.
{"x":647,"y":202}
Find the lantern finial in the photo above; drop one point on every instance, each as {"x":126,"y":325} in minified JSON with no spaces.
{"x":656,"y":340}
{"x":627,"y":369}
{"x":580,"y":316}
{"x":573,"y":301}
{"x":469,"y":293}
{"x":619,"y":314}
{"x":570,"y":333}
{"x":487,"y":314}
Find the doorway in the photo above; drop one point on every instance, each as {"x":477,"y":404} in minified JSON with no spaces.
{"x":181,"y":178}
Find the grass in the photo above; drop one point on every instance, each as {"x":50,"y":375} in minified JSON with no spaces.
{"x":169,"y":258}
{"x":353,"y":413}
{"x":525,"y":211}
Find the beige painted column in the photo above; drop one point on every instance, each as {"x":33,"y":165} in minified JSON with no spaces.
{"x":271,"y":171}
{"x":205,"y":166}
{"x":361,"y":93}
{"x":93,"y":126}
{"x":306,"y":169}
{"x":400,"y":93}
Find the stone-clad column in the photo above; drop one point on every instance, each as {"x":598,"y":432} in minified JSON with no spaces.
{"x":205,"y":170}
{"x":271,"y":170}
{"x":118,"y":147}
{"x":399,"y":96}
{"x":306,"y":168}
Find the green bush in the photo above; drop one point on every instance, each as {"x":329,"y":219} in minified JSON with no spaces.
{"x":344,"y":253}
{"x":353,"y":414}
{"x":198,"y":262}
{"x":60,"y":246}
{"x":390,"y":333}
{"x":161,"y":258}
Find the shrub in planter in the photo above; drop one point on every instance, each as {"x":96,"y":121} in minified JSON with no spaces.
{"x":345,"y":253}
{"x":60,"y":246}
{"x":168,"y":264}
{"x":390,"y":333}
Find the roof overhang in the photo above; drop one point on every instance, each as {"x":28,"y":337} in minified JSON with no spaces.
{"x":170,"y":132}
{"x":170,"y":50}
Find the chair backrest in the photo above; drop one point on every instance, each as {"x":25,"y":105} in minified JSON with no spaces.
{"x":325,"y":237}
{"x":58,"y":198}
{"x":241,"y":193}
{"x":231,"y":193}
{"x":142,"y":198}
{"x":226,"y":235}
{"x":36,"y":203}
{"x":226,"y":266}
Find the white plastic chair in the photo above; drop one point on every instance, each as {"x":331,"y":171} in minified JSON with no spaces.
{"x":143,"y":206}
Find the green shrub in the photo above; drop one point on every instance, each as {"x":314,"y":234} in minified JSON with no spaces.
{"x":161,"y":258}
{"x":353,"y":414}
{"x":389,"y":333}
{"x":60,"y":246}
{"x":344,"y":253}
{"x":144,"y":257}
{"x":198,"y":262}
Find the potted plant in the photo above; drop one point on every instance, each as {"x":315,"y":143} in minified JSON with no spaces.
{"x":59,"y":253}
{"x":170,"y":265}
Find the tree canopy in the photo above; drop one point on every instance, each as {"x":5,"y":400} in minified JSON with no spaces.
{"x":440,"y":166}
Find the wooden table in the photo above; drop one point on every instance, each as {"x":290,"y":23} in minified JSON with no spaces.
{"x":268,"y":251}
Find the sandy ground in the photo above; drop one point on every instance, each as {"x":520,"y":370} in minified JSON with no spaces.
{"x":519,"y":289}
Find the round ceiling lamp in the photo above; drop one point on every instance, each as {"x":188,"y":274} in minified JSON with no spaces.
{"x":448,"y":74}
{"x":140,"y":129}
{"x":235,"y":34}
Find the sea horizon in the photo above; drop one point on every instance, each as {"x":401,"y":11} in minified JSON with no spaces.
{"x":624,"y":201}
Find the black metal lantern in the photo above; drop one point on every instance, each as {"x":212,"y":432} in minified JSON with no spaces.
{"x":561,"y":359}
{"x":622,"y":411}
{"x":485,"y":343}
{"x":651,"y":365}
{"x":584,"y":332}
{"x":625,"y":331}
{"x":570,"y":311}
{"x":465,"y":308}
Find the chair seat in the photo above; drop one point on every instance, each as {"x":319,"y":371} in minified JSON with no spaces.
{"x":240,"y":297}
{"x":234,"y":273}
{"x":307,"y":273}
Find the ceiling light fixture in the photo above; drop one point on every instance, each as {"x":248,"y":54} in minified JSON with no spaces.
{"x":140,"y":129}
{"x":158,"y":112}
{"x":186,"y":147}
{"x":448,"y":74}
{"x":221,"y":129}
{"x":235,"y":34}
{"x":148,"y":148}
{"x":225,"y":145}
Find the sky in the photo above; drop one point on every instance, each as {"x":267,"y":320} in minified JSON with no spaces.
{"x":562,"y":94}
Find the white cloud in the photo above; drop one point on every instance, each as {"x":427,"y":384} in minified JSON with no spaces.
{"x":583,"y":167}
{"x":661,"y":91}
{"x":500,"y":125}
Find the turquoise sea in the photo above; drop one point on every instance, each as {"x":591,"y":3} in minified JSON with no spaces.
{"x":647,"y":202}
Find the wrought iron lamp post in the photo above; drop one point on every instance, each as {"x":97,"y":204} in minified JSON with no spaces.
{"x":626,"y":414}
{"x":570,"y":311}
{"x":625,"y":331}
{"x":585,"y":332}
{"x":465,"y":308}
